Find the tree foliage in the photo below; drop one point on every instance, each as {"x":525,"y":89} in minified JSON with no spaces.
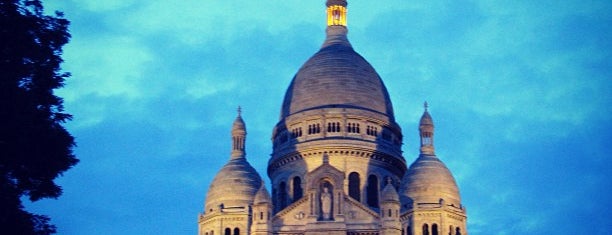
{"x":34,"y":146}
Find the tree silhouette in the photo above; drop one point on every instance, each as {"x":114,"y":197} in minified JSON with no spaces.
{"x":34,"y":146}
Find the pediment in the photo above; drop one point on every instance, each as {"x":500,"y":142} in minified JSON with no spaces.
{"x":293,"y":215}
{"x":358,"y":213}
{"x":325,"y":171}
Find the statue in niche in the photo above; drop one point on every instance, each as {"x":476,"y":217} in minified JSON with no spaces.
{"x":326,"y":203}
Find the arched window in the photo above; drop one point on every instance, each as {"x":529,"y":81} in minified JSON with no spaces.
{"x":296,"y":132}
{"x":212,"y":232}
{"x":450,"y":230}
{"x":458,"y":231}
{"x":352,"y":128}
{"x":228,"y":231}
{"x":336,"y":14}
{"x":354,"y":191}
{"x":425,"y":229}
{"x":282,"y":195}
{"x":333,"y":127}
{"x":260,"y":215}
{"x":372,"y":130}
{"x":373,"y":191}
{"x":206,"y":233}
{"x":236,"y":231}
{"x":297,"y":188}
{"x":427,"y":140}
{"x":409,"y":230}
{"x":434,"y":229}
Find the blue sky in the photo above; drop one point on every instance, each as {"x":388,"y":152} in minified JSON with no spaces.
{"x":519,"y":92}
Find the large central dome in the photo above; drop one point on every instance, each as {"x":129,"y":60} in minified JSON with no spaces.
{"x":336,"y":77}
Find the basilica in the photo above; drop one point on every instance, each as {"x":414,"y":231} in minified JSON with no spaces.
{"x":336,"y":165}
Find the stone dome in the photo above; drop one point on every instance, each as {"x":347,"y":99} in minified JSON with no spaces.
{"x":239,"y":126}
{"x":427,"y":181}
{"x":336,"y":77}
{"x":390,"y":194}
{"x":235,"y":185}
{"x":262,"y":195}
{"x":426,"y":119}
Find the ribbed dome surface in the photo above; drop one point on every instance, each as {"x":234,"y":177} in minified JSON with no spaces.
{"x":235,"y":185}
{"x":428,"y":180}
{"x":336,"y":76}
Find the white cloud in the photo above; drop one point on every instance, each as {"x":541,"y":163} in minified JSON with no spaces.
{"x":205,"y":87}
{"x":106,"y":66}
{"x":182,"y":67}
{"x":106,"y":5}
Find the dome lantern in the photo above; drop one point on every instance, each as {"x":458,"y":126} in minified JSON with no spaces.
{"x":238,"y":137}
{"x":336,"y":12}
{"x":426,"y":132}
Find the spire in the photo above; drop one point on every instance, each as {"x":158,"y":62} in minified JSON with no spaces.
{"x":426,"y":131}
{"x":238,"y":137}
{"x":336,"y":23}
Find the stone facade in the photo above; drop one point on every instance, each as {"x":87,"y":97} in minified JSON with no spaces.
{"x":337,"y":166}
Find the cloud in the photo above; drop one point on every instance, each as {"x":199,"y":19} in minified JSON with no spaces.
{"x":518,"y":92}
{"x":106,"y":67}
{"x":109,"y":5}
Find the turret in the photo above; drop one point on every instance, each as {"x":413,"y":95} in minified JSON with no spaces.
{"x":390,"y":210}
{"x":262,"y":207}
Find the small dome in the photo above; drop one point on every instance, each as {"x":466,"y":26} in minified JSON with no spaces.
{"x":426,"y":119}
{"x":234,"y":186}
{"x":336,"y":77}
{"x":427,"y":181}
{"x":238,"y":126}
{"x":262,"y":195}
{"x":390,"y":194}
